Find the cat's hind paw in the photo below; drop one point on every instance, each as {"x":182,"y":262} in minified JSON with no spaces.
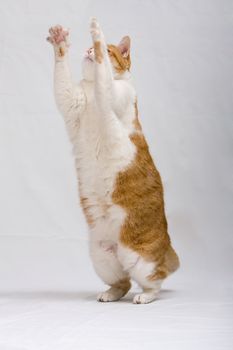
{"x":144,"y":298}
{"x":112,"y":294}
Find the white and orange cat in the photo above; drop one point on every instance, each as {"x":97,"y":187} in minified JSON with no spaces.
{"x":120,"y":189}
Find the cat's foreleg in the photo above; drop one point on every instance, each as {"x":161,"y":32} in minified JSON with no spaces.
{"x":104,"y":88}
{"x":69,"y":97}
{"x":103,"y":70}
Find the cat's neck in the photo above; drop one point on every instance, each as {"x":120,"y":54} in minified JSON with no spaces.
{"x":122,"y":76}
{"x":118,"y":76}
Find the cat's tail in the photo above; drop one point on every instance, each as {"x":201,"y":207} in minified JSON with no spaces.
{"x":171,"y":260}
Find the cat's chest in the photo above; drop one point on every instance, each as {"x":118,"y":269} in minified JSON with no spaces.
{"x":97,"y":167}
{"x":122,"y":103}
{"x":99,"y":160}
{"x":101,"y":152}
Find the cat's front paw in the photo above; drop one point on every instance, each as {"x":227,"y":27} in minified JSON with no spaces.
{"x":95,"y":30}
{"x":59,"y":39}
{"x":58,"y":34}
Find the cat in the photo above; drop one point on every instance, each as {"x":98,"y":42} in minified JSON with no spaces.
{"x":120,"y":189}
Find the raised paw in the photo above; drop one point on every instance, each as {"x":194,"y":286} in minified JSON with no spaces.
{"x":58,"y":35}
{"x":95,"y":30}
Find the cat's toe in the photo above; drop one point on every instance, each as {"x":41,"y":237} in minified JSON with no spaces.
{"x":94,"y":23}
{"x":139,"y":299}
{"x":58,"y":28}
{"x":51,"y":30}
{"x":104,"y":297}
{"x":143,"y":298}
{"x":49,"y":39}
{"x":113,"y":294}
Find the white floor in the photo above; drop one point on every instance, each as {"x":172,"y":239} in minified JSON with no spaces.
{"x":47,"y":302}
{"x":182,"y":57}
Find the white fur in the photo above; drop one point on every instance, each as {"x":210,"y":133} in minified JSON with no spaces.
{"x":149,"y":294}
{"x":99,"y":115}
{"x":139,"y":270}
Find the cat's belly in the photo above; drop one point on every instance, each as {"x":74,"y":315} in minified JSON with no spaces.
{"x":97,"y":169}
{"x":103,"y":216}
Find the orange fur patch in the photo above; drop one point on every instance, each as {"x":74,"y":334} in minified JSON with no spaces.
{"x":86,"y":209}
{"x":120,"y":63}
{"x":139,"y":191}
{"x":86,"y":206}
{"x":170,"y":263}
{"x":61,"y":51}
{"x":123,"y":284}
{"x":98,"y":52}
{"x":136,"y":122}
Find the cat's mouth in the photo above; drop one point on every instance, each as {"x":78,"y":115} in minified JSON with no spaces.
{"x":89,"y":58}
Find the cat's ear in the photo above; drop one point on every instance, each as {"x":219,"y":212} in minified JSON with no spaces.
{"x":124,"y":46}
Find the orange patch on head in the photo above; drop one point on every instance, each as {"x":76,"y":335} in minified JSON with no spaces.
{"x":120,"y":63}
{"x":98,"y":52}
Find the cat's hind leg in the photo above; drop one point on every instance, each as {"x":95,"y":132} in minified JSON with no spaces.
{"x":109,"y":269}
{"x":150,"y":275}
{"x":149,"y":294}
{"x":142,"y":272}
{"x":116,"y":291}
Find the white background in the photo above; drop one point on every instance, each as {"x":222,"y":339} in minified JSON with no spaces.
{"x":182,"y":54}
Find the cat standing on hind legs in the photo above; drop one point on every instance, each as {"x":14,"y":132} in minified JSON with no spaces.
{"x":120,"y":188}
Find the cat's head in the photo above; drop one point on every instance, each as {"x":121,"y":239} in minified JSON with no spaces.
{"x":119,"y":57}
